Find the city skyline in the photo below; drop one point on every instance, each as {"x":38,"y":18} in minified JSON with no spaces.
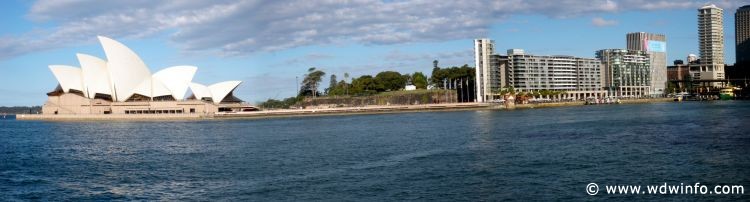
{"x":269,"y":53}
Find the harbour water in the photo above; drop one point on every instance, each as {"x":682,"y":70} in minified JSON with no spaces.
{"x":530,"y":154}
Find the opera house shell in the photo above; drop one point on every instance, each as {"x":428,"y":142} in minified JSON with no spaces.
{"x":123,"y":84}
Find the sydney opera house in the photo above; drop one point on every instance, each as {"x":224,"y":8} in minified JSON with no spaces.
{"x":123,"y":84}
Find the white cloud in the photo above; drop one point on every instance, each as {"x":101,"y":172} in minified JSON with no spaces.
{"x":601,"y":22}
{"x":398,"y":55}
{"x":225,"y":27}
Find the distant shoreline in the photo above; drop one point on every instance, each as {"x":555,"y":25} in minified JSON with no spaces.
{"x":380,"y":109}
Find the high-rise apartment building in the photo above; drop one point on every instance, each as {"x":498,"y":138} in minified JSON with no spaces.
{"x":711,"y":43}
{"x":579,"y":78}
{"x":742,"y":35}
{"x":656,"y":47}
{"x":489,"y":69}
{"x":627,"y":73}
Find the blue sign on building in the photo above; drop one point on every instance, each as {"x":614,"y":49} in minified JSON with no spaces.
{"x":657,"y":46}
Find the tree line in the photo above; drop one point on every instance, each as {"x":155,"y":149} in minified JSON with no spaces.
{"x":21,"y":110}
{"x":368,"y":85}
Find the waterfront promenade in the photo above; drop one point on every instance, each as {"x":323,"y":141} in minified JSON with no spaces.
{"x":371,"y":109}
{"x":257,"y":114}
{"x":85,"y":117}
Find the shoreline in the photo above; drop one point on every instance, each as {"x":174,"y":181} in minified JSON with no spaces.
{"x":354,"y":111}
{"x":107,"y":117}
{"x":580,"y":103}
{"x":282,"y":113}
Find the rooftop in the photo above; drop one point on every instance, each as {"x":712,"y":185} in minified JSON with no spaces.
{"x":710,"y":6}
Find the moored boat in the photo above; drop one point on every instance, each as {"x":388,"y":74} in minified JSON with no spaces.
{"x":726,"y":94}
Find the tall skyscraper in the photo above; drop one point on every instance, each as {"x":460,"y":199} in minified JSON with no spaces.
{"x":489,"y":72}
{"x":742,"y":34}
{"x":711,"y":43}
{"x":656,"y":47}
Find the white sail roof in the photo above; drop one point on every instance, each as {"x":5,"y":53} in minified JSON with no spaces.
{"x":126,"y":69}
{"x":176,"y":79}
{"x":69,"y":77}
{"x":200,"y":91}
{"x":95,"y":75}
{"x":124,"y":74}
{"x":151,"y":87}
{"x":219,"y":91}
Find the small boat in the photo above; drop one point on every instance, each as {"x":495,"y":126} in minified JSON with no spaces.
{"x":679,"y":97}
{"x":591,"y":101}
{"x":726,"y":94}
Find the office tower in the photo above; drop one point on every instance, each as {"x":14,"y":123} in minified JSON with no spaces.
{"x":742,"y":35}
{"x":656,"y":47}
{"x":711,"y":43}
{"x":627,"y":73}
{"x":579,"y":78}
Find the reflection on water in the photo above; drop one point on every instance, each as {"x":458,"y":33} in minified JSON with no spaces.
{"x":539,"y":154}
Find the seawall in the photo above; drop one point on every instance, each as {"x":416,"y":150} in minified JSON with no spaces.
{"x":651,"y":100}
{"x":372,"y":109}
{"x":107,"y":117}
{"x":551,"y":104}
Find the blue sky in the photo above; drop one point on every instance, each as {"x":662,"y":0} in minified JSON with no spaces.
{"x":266,"y":44}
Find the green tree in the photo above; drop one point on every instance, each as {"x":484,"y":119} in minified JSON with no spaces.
{"x":419,"y":80}
{"x":671,"y":87}
{"x":439,"y":75}
{"x":333,"y":81}
{"x":280,"y":104}
{"x":311,"y":81}
{"x":407,"y":79}
{"x":338,"y":88}
{"x":332,"y":85}
{"x":346,"y":79}
{"x":21,"y":110}
{"x":545,"y":93}
{"x":508,"y":90}
{"x":389,"y":81}
{"x":364,"y":85}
